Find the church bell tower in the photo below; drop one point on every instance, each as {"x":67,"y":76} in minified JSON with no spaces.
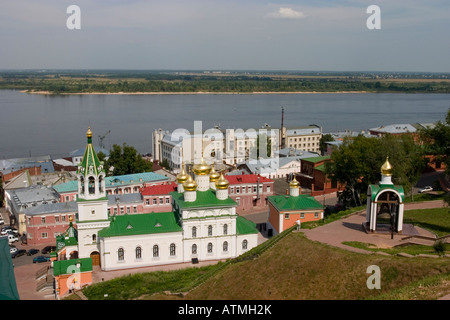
{"x":92,"y":200}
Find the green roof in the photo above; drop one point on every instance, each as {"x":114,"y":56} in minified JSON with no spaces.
{"x":70,"y":266}
{"x":114,"y":181}
{"x":90,"y":159}
{"x":321,"y":167}
{"x":377,"y":188}
{"x":69,"y":186}
{"x":204,"y":199}
{"x":244,"y":226}
{"x":289,"y":203}
{"x":136,"y":224}
{"x":316,"y":159}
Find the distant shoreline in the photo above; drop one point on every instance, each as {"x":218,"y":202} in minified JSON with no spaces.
{"x":186,"y":93}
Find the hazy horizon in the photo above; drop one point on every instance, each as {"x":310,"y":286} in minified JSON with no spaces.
{"x":251,"y":35}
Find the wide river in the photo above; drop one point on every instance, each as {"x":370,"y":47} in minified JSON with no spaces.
{"x":34,"y":124}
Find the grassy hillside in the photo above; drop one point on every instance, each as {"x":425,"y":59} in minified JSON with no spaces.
{"x":289,"y":266}
{"x":297,"y":268}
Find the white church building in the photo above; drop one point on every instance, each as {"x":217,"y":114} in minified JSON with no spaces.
{"x":203,"y":224}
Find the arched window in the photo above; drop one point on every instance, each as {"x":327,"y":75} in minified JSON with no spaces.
{"x":121,"y":254}
{"x":194,"y":249}
{"x":138,"y":252}
{"x":172,"y":249}
{"x":244,"y":244}
{"x":225,"y":246}
{"x":91,"y":185}
{"x":210,"y":230}
{"x":194,"y":232}
{"x":225,"y":229}
{"x":82,"y":184}
{"x":155,"y":251}
{"x":210,"y":247}
{"x":100,"y":180}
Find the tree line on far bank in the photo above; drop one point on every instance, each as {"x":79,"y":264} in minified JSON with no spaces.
{"x":223,"y":84}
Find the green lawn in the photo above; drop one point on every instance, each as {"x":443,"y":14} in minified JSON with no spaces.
{"x":413,"y":249}
{"x":435,"y":220}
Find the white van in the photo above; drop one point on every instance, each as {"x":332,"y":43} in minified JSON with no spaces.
{"x":12,"y":238}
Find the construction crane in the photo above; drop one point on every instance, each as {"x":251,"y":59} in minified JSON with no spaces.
{"x":100,"y":139}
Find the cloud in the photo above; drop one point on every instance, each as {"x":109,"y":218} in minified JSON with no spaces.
{"x":287,"y":13}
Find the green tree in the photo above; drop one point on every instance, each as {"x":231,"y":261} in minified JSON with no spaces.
{"x":126,"y":160}
{"x":358,"y":161}
{"x":322,"y":143}
{"x":436,"y":141}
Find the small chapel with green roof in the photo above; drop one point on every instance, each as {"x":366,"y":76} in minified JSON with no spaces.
{"x":385,"y":202}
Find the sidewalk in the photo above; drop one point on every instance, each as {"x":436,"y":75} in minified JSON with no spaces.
{"x":350,"y":229}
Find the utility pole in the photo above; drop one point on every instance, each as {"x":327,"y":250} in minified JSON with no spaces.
{"x":282,"y":131}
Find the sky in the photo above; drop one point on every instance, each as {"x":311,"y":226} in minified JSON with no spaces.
{"x":299,"y":35}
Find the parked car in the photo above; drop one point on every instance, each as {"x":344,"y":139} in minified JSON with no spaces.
{"x":48,"y":249}
{"x":5,"y":230}
{"x":12,"y":238}
{"x":12,"y":249}
{"x":32,"y":251}
{"x":426,"y":189}
{"x":18,"y":253}
{"x":40,"y":259}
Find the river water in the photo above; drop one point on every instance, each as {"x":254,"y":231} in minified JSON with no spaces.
{"x":33,"y":124}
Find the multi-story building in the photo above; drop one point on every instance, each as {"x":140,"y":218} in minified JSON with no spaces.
{"x":47,"y":221}
{"x":123,"y":184}
{"x":18,"y":200}
{"x":157,"y":198}
{"x":304,"y":138}
{"x":250,"y":191}
{"x":230,"y":146}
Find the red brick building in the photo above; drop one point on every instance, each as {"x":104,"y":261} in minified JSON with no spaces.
{"x":312,"y":176}
{"x":158,"y":198}
{"x":250,"y":191}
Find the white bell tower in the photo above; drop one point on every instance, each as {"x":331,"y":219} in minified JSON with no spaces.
{"x":92,"y":200}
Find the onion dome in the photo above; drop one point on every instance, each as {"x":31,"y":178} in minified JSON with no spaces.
{"x":214,"y":175}
{"x":222,"y":183}
{"x":202,"y":168}
{"x":182,"y":176}
{"x":190,"y":184}
{"x":386,"y":168}
{"x":89,"y":133}
{"x":294,"y":183}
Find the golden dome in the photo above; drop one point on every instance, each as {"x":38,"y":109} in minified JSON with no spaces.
{"x":89,"y":133}
{"x":190,"y":184}
{"x":294,"y":183}
{"x":214,"y":175}
{"x":222,"y":183}
{"x":202,"y":168}
{"x":182,"y":176}
{"x":386,"y":168}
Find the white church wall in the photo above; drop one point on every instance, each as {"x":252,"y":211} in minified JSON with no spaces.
{"x":110,"y":248}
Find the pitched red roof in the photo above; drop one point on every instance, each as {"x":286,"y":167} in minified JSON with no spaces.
{"x":246,"y":178}
{"x":159,"y":189}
